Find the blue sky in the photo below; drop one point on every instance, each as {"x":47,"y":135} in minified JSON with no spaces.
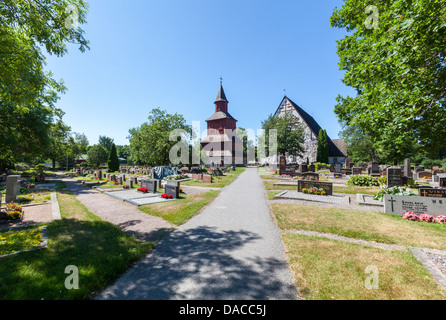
{"x":171,"y":54}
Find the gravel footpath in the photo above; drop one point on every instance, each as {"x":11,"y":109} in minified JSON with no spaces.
{"x":232,"y":250}
{"x":123,"y":214}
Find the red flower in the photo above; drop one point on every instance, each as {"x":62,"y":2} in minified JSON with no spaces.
{"x":166,"y":196}
{"x":143,"y":190}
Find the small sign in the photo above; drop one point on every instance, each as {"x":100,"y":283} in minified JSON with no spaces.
{"x":432,"y":193}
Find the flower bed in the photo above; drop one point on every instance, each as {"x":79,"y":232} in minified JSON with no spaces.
{"x":144,"y":190}
{"x":166,"y":196}
{"x":314,"y":190}
{"x":11,"y":212}
{"x":424,"y":218}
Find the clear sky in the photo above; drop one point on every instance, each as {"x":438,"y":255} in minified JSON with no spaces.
{"x":171,"y":54}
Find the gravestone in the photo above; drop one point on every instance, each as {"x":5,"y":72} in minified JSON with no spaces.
{"x":113,"y":178}
{"x":312,"y":168}
{"x":424,"y":174}
{"x":347,"y":162}
{"x":150,"y":185}
{"x":129,"y":183}
{"x":303,"y":168}
{"x":356,"y":171}
{"x":12,"y":185}
{"x":374,"y":171}
{"x":308,"y":184}
{"x":207,"y":178}
{"x":442,"y":182}
{"x":418,"y":169}
{"x":407,"y":168}
{"x":120,"y":180}
{"x":337,"y":168}
{"x":432,"y":192}
{"x":282,"y":164}
{"x":172,"y":190}
{"x":352,"y":164}
{"x":395,"y":204}
{"x":100,"y":174}
{"x":394,"y":177}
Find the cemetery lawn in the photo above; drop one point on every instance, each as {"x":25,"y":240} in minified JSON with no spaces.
{"x":180,"y":211}
{"x":365,"y":225}
{"x":335,"y":270}
{"x":100,"y":250}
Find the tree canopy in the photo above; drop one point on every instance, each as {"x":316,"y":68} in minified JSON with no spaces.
{"x":28,"y":93}
{"x":150,"y":143}
{"x":290,"y":137}
{"x":113,"y":161}
{"x":322,"y":147}
{"x":398,"y":67}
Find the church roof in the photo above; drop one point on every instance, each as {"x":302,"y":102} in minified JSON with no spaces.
{"x":221,"y":96}
{"x":220,"y":115}
{"x":333,"y":149}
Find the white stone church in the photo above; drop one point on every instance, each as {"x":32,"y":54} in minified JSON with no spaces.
{"x":337,"y":148}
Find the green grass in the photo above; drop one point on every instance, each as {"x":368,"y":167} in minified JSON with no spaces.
{"x":180,"y":211}
{"x":271,"y":194}
{"x":365,"y":225}
{"x":333,"y":270}
{"x":100,"y":250}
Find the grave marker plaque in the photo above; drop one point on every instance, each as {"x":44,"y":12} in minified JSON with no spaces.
{"x":172,"y":190}
{"x":394,"y":177}
{"x":356,"y":171}
{"x":424,"y":174}
{"x":308,"y":184}
{"x":432,"y":193}
{"x":337,"y":168}
{"x":150,"y":185}
{"x":394,"y":204}
{"x":374,"y":171}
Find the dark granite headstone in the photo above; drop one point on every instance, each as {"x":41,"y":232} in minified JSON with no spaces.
{"x":150,"y":185}
{"x":172,"y":190}
{"x":356,"y":171}
{"x":308,"y":184}
{"x":337,"y":168}
{"x":374,"y":171}
{"x":394,"y":177}
{"x":432,"y":192}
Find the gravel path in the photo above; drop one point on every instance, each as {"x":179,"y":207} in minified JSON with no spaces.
{"x":232,"y":250}
{"x":122,"y":214}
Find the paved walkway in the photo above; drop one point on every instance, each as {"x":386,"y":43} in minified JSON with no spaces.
{"x":231,"y":250}
{"x":124,"y":215}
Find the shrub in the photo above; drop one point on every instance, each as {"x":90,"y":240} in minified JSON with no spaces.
{"x":320,"y":165}
{"x":362,"y":181}
{"x":400,"y":191}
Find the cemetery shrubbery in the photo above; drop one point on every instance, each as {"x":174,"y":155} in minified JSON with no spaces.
{"x":362,"y":181}
{"x":400,"y":191}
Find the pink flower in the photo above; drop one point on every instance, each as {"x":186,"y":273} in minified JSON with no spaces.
{"x":440,"y":219}
{"x":411,"y":216}
{"x":427,"y":218}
